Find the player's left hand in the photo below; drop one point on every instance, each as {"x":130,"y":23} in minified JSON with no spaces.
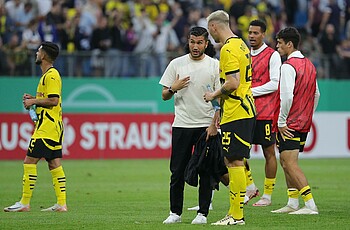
{"x":286,"y":132}
{"x":211,"y":131}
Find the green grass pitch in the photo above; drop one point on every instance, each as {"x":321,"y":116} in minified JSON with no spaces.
{"x":134,"y":194}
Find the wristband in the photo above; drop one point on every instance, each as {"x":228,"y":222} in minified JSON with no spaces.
{"x":171,"y":90}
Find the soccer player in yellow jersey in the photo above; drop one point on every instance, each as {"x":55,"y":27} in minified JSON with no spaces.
{"x":46,"y":141}
{"x":237,"y":110}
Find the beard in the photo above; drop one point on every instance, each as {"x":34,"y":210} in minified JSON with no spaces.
{"x":198,"y":54}
{"x":38,"y":61}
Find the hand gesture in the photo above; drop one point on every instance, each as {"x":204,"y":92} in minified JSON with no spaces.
{"x":180,"y":83}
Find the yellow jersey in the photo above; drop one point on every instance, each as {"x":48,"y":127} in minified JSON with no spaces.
{"x":49,"y":124}
{"x":235,"y":58}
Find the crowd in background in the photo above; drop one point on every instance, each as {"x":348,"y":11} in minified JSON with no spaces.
{"x":137,"y":38}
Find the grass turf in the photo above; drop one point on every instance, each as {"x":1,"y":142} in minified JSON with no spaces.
{"x":134,"y":194}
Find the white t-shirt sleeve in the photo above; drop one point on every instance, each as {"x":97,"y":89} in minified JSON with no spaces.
{"x":272,"y":85}
{"x":169,"y":75}
{"x":217,"y":84}
{"x":317,"y":96}
{"x":287,"y":84}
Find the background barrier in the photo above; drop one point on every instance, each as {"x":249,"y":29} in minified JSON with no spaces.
{"x":134,"y":95}
{"x":126,"y":118}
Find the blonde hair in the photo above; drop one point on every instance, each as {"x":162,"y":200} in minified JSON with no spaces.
{"x":219,"y":16}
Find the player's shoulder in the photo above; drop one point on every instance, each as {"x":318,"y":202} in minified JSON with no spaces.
{"x":180,"y":59}
{"x":211,"y":59}
{"x":53,"y":74}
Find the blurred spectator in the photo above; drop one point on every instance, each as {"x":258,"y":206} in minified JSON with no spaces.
{"x":56,"y":19}
{"x":2,"y":58}
{"x":14,"y":8}
{"x":101,"y":41}
{"x":31,"y":37}
{"x":314,"y":17}
{"x":142,"y":51}
{"x":311,"y":49}
{"x":301,"y":14}
{"x":243,"y":21}
{"x":281,"y":21}
{"x":345,"y":55}
{"x":214,"y":5}
{"x":226,"y":4}
{"x":263,"y":14}
{"x":16,"y":57}
{"x":330,"y":46}
{"x":90,"y":12}
{"x":151,"y":9}
{"x":142,"y":32}
{"x":237,"y":10}
{"x":23,"y":17}
{"x":179,"y":27}
{"x":334,"y":13}
{"x":130,"y":39}
{"x":72,"y":41}
{"x":164,"y":40}
{"x":193,"y":19}
{"x":114,"y":60}
{"x":290,"y":7}
{"x":44,"y":7}
{"x":7,"y":25}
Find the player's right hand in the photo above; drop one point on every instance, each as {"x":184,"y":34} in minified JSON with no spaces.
{"x":180,"y":83}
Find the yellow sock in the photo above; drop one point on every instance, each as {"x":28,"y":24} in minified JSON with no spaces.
{"x":293,"y":198}
{"x":29,"y":179}
{"x":293,"y":193}
{"x":248,"y":173}
{"x":306,"y":193}
{"x":269,"y":185}
{"x":237,"y":191}
{"x":59,"y":184}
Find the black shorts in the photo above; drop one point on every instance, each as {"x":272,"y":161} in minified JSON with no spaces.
{"x":263,"y":134}
{"x":237,"y":137}
{"x":297,"y":142}
{"x":38,"y":149}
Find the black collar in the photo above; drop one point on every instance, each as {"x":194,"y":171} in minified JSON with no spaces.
{"x":229,"y":39}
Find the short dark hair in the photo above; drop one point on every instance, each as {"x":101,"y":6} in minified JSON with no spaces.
{"x":259,"y":23}
{"x":201,"y":31}
{"x":51,"y":49}
{"x":289,"y":34}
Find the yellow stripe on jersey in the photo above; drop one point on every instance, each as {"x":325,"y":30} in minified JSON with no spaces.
{"x":235,"y":58}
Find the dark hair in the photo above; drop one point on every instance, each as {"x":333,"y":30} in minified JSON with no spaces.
{"x":289,"y":34}
{"x":201,"y":31}
{"x":51,"y":49}
{"x":259,"y":23}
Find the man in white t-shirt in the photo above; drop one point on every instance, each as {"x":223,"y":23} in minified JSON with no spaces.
{"x":187,"y":78}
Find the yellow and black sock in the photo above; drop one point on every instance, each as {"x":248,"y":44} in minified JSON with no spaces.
{"x":29,"y":179}
{"x":59,"y":184}
{"x":269,"y":185}
{"x":308,"y":198}
{"x":237,"y":191}
{"x":248,"y":174}
{"x":306,"y":193}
